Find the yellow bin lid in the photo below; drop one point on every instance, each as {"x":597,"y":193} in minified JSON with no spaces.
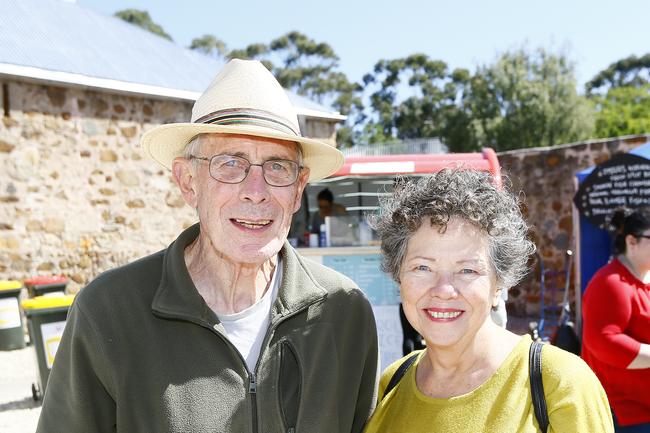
{"x":10,"y":284}
{"x":42,"y":302}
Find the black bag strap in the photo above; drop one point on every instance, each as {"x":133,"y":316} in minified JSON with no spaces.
{"x":399,"y":373}
{"x":536,"y":385}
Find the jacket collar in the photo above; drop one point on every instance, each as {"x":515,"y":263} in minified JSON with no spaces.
{"x":178,"y":298}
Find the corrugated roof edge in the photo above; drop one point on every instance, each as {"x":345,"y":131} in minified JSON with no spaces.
{"x":77,"y":80}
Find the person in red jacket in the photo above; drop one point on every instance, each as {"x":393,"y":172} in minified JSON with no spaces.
{"x":616,"y":321}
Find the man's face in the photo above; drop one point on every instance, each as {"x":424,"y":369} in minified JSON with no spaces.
{"x":245,"y":222}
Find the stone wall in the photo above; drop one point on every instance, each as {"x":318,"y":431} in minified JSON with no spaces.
{"x":77,"y":195}
{"x":546,"y":177}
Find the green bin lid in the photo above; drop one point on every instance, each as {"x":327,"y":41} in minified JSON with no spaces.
{"x":43,"y":302}
{"x":10,"y":285}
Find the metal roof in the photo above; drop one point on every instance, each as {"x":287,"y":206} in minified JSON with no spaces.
{"x":62,"y":42}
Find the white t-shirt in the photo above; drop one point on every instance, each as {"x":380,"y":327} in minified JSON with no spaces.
{"x":247,"y":328}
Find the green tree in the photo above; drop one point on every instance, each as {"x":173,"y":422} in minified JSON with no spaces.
{"x":527,"y":99}
{"x":310,"y":68}
{"x":143,"y":20}
{"x":631,"y":71}
{"x":623,"y":111}
{"x":431,"y":108}
{"x":209,"y":45}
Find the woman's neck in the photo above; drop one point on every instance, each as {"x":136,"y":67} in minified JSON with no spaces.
{"x":635,"y":267}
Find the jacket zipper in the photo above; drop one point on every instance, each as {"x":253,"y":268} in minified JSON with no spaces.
{"x":252,"y":390}
{"x":252,"y":380}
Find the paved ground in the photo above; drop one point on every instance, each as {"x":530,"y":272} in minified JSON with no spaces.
{"x":18,"y":370}
{"x":18,"y":411}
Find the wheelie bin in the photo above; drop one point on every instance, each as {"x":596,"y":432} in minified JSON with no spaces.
{"x":46,"y":317}
{"x":11,"y":321}
{"x":39,"y":286}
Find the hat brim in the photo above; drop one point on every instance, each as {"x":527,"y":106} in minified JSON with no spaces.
{"x":166,"y":142}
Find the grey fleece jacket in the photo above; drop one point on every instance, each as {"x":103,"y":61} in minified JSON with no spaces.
{"x":143,"y":353}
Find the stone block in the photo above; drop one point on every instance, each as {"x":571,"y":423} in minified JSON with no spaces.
{"x":85,"y":262}
{"x":54,"y":225}
{"x":135,"y":203}
{"x":174,"y":199}
{"x":108,"y":155}
{"x":56,"y":95}
{"x":34,"y":226}
{"x":9,"y":242}
{"x":106,"y":191}
{"x":8,"y":122}
{"x":6,"y":147}
{"x":128,"y":177}
{"x":129,"y":131}
{"x":45,"y":267}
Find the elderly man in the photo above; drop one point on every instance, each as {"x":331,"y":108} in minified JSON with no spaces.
{"x":228,"y":329}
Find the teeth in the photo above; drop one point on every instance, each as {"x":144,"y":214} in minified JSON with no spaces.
{"x":444,"y":315}
{"x":253,"y":224}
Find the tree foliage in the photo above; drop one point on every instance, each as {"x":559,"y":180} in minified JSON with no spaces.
{"x":428,"y":109}
{"x":623,"y":111}
{"x":527,"y":99}
{"x":631,"y":71}
{"x":143,"y":20}
{"x":309,"y":68}
{"x":209,"y":45}
{"x":524,"y":99}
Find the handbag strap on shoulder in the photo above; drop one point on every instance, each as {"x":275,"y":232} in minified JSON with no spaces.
{"x":399,"y":373}
{"x":536,"y":385}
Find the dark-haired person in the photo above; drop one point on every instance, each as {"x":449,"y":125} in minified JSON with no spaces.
{"x":616,"y":321}
{"x":326,"y":207}
{"x":453,"y":241}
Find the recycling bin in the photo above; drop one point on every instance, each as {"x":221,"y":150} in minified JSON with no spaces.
{"x":39,"y":286}
{"x":46,"y":317}
{"x":11,"y":321}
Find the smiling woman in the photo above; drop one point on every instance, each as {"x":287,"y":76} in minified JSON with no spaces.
{"x":453,"y":241}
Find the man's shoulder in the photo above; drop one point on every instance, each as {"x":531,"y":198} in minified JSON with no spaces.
{"x":330,"y":279}
{"x":140,"y":277}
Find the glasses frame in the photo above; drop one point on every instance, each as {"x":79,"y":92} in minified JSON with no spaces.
{"x":642,"y":236}
{"x":247,"y":171}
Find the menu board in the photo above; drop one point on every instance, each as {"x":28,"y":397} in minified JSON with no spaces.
{"x":365,"y":270}
{"x":624,"y":180}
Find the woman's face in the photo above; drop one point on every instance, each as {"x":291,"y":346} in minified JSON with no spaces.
{"x":448,"y":284}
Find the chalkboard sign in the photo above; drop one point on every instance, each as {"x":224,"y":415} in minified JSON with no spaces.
{"x":624,"y":180}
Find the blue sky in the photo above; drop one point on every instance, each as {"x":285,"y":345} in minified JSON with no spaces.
{"x":464,"y":33}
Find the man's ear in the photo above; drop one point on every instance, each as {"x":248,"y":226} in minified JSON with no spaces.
{"x":185,"y":177}
{"x":301,"y":183}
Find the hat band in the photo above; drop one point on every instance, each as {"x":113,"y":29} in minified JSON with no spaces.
{"x":260,"y":118}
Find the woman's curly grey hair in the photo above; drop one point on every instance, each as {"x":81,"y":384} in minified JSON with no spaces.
{"x":468,"y":194}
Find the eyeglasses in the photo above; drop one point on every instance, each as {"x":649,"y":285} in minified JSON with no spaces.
{"x":234,"y":169}
{"x":642,"y":236}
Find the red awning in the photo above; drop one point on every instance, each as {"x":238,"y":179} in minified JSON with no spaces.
{"x":419,"y":164}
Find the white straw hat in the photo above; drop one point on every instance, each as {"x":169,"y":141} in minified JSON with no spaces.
{"x":244,"y":98}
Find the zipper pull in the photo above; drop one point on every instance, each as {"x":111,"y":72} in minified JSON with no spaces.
{"x":291,"y":430}
{"x":252,"y":385}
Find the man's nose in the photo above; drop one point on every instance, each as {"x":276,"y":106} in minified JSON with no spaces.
{"x":254,"y":188}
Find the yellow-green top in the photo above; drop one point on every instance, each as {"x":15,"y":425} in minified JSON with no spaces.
{"x":10,"y":285}
{"x":42,"y":302}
